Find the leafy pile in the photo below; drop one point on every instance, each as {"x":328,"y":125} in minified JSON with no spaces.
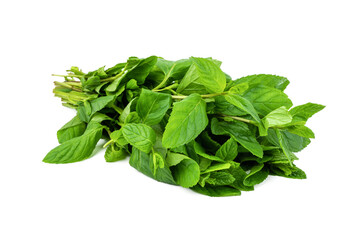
{"x":185,"y":123}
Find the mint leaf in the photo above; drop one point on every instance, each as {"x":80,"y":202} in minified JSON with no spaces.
{"x":216,"y":191}
{"x":144,"y":164}
{"x":266,"y":99}
{"x":74,"y":128}
{"x":187,"y":120}
{"x":240,"y":132}
{"x":186,"y":171}
{"x":204,"y":76}
{"x":257,"y":175}
{"x":78,"y":148}
{"x":264,"y":79}
{"x":152,"y":106}
{"x":303,"y":112}
{"x":228,"y":151}
{"x":140,"y":136}
{"x":277,"y":117}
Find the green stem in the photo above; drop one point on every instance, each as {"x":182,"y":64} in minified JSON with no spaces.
{"x":110,"y":79}
{"x":67,"y":86}
{"x":74,"y":83}
{"x":69,"y":105}
{"x":203,"y":96}
{"x":240,"y":119}
{"x":117,"y":109}
{"x":165,"y":78}
{"x":107,"y":144}
{"x":172,"y":91}
{"x":69,"y":75}
{"x":175,"y":85}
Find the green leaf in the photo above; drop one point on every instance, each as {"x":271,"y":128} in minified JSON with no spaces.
{"x":303,"y":112}
{"x":293,"y":142}
{"x":76,"y":71}
{"x":78,"y":148}
{"x":273,"y":157}
{"x":144,"y":164}
{"x":203,"y":179}
{"x":228,"y":151}
{"x":95,"y":105}
{"x":266,"y":99}
{"x":180,"y":69}
{"x":216,"y":191}
{"x":278,"y":117}
{"x":165,"y":66}
{"x":99,"y":117}
{"x":257,"y":175}
{"x":91,"y":83}
{"x":191,"y":151}
{"x":243,"y":104}
{"x":186,"y":171}
{"x":264,"y":79}
{"x":135,"y":68}
{"x":132,"y":84}
{"x":217,"y":167}
{"x":201,"y":151}
{"x":239,"y":88}
{"x":165,"y":70}
{"x":222,"y":106}
{"x":99,"y":87}
{"x":287,"y":141}
{"x":152,"y":106}
{"x":203,"y":76}
{"x":158,"y":162}
{"x":208,"y":143}
{"x":158,"y":147}
{"x":284,"y":144}
{"x":172,"y":159}
{"x":301,"y":130}
{"x":114,"y":85}
{"x":187,"y":120}
{"x":127,"y":110}
{"x":97,"y":73}
{"x":121,"y":76}
{"x":142,"y":69}
{"x":74,"y":128}
{"x":139,"y":135}
{"x":240,"y":132}
{"x":239,"y":174}
{"x":114,"y":153}
{"x":204,"y":163}
{"x":118,"y":137}
{"x":133,"y":117}
{"x":286,"y":170}
{"x":220,"y":178}
{"x":115,"y":69}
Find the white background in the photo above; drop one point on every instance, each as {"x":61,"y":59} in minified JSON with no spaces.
{"x":313,"y":43}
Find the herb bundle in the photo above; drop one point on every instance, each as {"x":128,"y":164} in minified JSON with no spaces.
{"x":185,"y":123}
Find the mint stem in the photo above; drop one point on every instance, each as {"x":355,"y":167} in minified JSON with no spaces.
{"x":203,"y":96}
{"x":165,"y":78}
{"x":240,"y":119}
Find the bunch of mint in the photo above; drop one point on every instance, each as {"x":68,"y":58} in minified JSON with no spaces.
{"x":185,"y":123}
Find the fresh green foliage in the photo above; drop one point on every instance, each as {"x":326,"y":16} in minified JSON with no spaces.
{"x":74,"y":128}
{"x":185,"y":123}
{"x":152,"y":106}
{"x":139,"y":135}
{"x":203,"y":76}
{"x":187,"y":120}
{"x":78,"y":148}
